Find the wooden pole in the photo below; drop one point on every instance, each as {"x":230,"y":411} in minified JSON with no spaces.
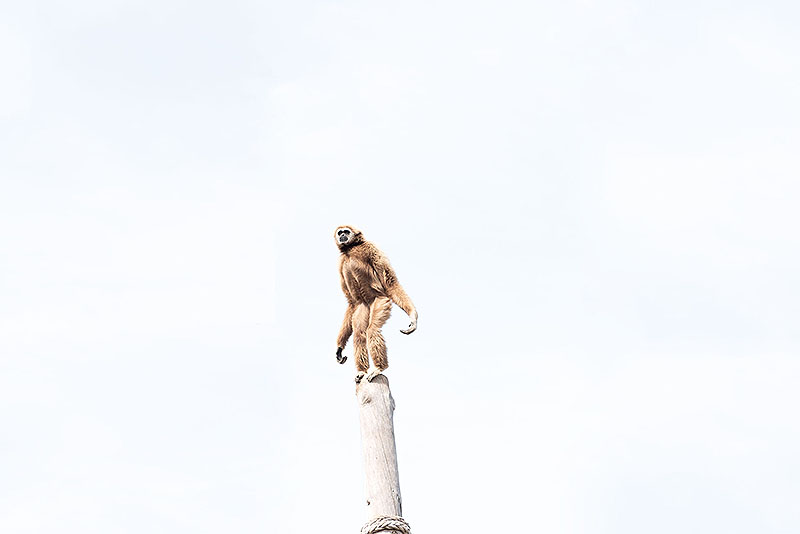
{"x":377,"y":442}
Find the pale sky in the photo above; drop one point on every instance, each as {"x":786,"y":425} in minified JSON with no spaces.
{"x":593,"y":206}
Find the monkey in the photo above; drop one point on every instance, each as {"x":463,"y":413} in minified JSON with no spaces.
{"x":370,"y":286}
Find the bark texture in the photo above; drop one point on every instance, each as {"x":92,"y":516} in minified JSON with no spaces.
{"x":377,"y":442}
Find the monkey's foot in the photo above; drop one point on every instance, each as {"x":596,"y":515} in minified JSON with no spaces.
{"x":359,"y":376}
{"x":372,"y":373}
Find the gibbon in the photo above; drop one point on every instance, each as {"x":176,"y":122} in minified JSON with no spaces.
{"x":370,"y":285}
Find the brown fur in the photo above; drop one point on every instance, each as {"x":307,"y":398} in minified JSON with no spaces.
{"x":370,"y":285}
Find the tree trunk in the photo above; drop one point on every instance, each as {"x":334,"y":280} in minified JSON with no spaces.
{"x":377,"y":442}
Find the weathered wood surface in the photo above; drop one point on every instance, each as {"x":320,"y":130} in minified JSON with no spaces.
{"x":376,"y":407}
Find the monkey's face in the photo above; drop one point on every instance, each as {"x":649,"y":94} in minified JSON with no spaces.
{"x":347,"y":236}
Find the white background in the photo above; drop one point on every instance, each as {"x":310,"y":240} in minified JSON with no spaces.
{"x":592,"y":204}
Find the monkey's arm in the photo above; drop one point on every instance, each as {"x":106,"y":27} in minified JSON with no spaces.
{"x":398,"y":295}
{"x":347,"y":324}
{"x":347,"y":327}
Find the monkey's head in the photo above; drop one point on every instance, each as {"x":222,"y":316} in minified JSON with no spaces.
{"x":348,"y":236}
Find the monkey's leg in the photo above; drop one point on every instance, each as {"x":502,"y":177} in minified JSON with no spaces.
{"x":379,"y":312}
{"x":360,"y":324}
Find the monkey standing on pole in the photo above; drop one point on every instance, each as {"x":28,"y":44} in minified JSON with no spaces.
{"x":370,"y":285}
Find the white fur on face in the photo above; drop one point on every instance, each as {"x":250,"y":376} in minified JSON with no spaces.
{"x":344,"y":234}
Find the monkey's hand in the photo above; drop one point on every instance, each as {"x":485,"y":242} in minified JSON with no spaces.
{"x":411,"y":327}
{"x":339,"y":357}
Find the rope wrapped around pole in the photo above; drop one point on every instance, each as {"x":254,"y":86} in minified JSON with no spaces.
{"x":386,"y":523}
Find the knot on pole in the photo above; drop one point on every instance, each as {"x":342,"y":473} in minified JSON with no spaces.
{"x":386,"y":523}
